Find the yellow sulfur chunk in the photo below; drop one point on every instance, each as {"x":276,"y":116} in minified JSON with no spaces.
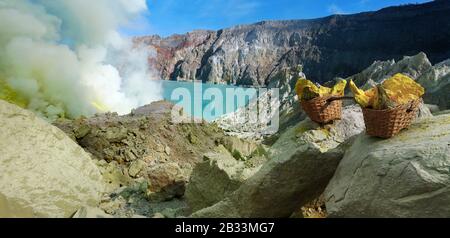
{"x":309,"y":94}
{"x":339,"y":88}
{"x":399,"y":89}
{"x":361,"y":97}
{"x":383,"y":101}
{"x":307,"y":90}
{"x":373,"y":96}
{"x":300,"y":86}
{"x":324,"y":91}
{"x":402,"y":89}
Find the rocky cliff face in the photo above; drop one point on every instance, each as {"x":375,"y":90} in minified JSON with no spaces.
{"x":328,"y":47}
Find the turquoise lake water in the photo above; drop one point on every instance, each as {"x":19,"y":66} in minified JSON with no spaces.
{"x":207,"y":101}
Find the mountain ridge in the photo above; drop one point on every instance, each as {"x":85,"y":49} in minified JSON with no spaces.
{"x":328,"y":47}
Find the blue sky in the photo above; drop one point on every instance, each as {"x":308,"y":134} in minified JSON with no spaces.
{"x":166,"y":17}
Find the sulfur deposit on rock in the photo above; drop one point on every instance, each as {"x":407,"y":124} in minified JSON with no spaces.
{"x":43,"y":173}
{"x":301,"y":163}
{"x":405,"y":176}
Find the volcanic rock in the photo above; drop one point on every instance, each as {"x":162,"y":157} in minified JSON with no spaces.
{"x":435,"y":79}
{"x":43,"y":173}
{"x":437,"y":84}
{"x":144,"y":145}
{"x":218,"y":176}
{"x":302,"y":162}
{"x":405,"y":176}
{"x":413,"y":66}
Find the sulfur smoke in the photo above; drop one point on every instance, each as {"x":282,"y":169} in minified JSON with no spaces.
{"x":66,"y":58}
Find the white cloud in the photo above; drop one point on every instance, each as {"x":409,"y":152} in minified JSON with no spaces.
{"x":335,"y":9}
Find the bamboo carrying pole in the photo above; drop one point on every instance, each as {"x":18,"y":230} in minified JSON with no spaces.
{"x":331,"y":99}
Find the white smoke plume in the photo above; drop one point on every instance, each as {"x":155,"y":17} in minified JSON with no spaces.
{"x":66,"y":58}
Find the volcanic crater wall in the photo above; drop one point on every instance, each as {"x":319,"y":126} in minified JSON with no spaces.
{"x":339,"y":45}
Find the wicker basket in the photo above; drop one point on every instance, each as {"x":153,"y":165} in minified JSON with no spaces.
{"x":388,"y":123}
{"x":322,"y":109}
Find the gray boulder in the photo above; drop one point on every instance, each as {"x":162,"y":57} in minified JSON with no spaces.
{"x":219,"y":175}
{"x":436,"y":81}
{"x":405,"y":176}
{"x":167,"y":181}
{"x":43,"y":173}
{"x":413,"y":66}
{"x":442,"y":112}
{"x":433,"y":108}
{"x":301,"y":163}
